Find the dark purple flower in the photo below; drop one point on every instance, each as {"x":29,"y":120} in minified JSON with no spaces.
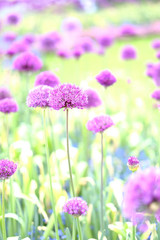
{"x":93,"y":98}
{"x":63,"y":53}
{"x":49,"y":41}
{"x":13,"y":19}
{"x":29,"y":38}
{"x":128,"y":30}
{"x":67,"y":96}
{"x":86,"y":43}
{"x":150,"y":70}
{"x":7,"y":169}
{"x":156,"y":44}
{"x":105,"y":40}
{"x":4,"y":93}
{"x":8,"y":105}
{"x":156,"y":74}
{"x":128,"y":52}
{"x":27,"y":62}
{"x":158,"y":55}
{"x":133,"y":163}
{"x":99,"y":123}
{"x":106,"y":78}
{"x":77,"y":52}
{"x":39,"y":97}
{"x":75,"y":207}
{"x":156,"y":94}
{"x":47,"y":78}
{"x":142,"y":193}
{"x":9,"y":36}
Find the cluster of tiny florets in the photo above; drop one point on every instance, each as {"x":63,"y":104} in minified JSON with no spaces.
{"x":93,"y":98}
{"x":46,"y":78}
{"x":7,"y":168}
{"x":39,"y":97}
{"x":99,"y":123}
{"x":4,"y":93}
{"x":106,"y":78}
{"x":67,"y":96}
{"x":75,"y":206}
{"x":8,"y":105}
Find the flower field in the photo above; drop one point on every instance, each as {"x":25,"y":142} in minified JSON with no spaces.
{"x":79,"y":120}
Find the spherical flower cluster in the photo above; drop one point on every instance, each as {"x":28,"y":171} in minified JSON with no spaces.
{"x":77,"y":52}
{"x":93,"y":98}
{"x":105,"y":40}
{"x":156,"y":44}
{"x":156,"y":94}
{"x":17,"y":47}
{"x":156,"y":74}
{"x":47,"y":78}
{"x":67,"y":96}
{"x":106,"y":78}
{"x":87,"y":44}
{"x":71,"y":25}
{"x":39,"y":97}
{"x":13,"y":19}
{"x":4,"y":93}
{"x":9,"y":36}
{"x":8,"y":105}
{"x":99,"y":123}
{"x":128,"y":52}
{"x":150,"y":70}
{"x":49,"y":41}
{"x":75,"y":207}
{"x":7,"y":169}
{"x":142,"y":193}
{"x":27,"y":62}
{"x":133,"y":163}
{"x":128,"y":30}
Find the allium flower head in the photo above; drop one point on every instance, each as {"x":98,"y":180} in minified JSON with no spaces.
{"x":17,"y":47}
{"x":128,"y":52}
{"x":27,"y":62}
{"x":77,"y":52}
{"x":46,"y":78}
{"x":128,"y":30}
{"x":13,"y":19}
{"x":9,"y":36}
{"x":158,"y":55}
{"x":39,"y":97}
{"x":142,"y":193}
{"x":99,"y":123}
{"x":49,"y":41}
{"x":105,"y":40}
{"x":8,"y":105}
{"x":4,"y":93}
{"x":133,"y":163}
{"x":106,"y":78}
{"x":71,"y":25}
{"x":7,"y":168}
{"x":67,"y":96}
{"x":75,"y":207}
{"x":156,"y":94}
{"x":156,"y":74}
{"x":93,"y":98}
{"x":156,"y":44}
{"x":150,"y":70}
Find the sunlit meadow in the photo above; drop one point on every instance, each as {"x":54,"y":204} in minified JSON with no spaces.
{"x":79,"y":120}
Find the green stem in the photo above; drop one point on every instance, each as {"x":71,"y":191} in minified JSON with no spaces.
{"x":102,"y":207}
{"x":68,"y":155}
{"x":3,"y":213}
{"x":133,"y":232}
{"x":79,"y":229}
{"x":74,"y":230}
{"x":49,"y":172}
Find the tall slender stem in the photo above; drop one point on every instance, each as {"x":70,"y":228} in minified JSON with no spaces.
{"x":79,"y":229}
{"x":3,"y":213}
{"x":68,"y":155}
{"x":49,"y":172}
{"x":74,"y":229}
{"x":133,"y":232}
{"x":102,"y":162}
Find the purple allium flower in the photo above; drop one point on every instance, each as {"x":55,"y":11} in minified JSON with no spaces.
{"x":9,"y":36}
{"x":156,"y":94}
{"x":105,"y":40}
{"x":156,"y":74}
{"x":142,"y":193}
{"x":106,"y":78}
{"x":86,"y":43}
{"x":7,"y":169}
{"x":17,"y":47}
{"x":133,"y":163}
{"x":156,"y":44}
{"x":71,"y":25}
{"x":99,"y":123}
{"x":150,"y":70}
{"x":93,"y":98}
{"x":27,"y":62}
{"x":4,"y":93}
{"x":75,"y":207}
{"x":158,"y":55}
{"x":67,"y":96}
{"x":8,"y":105}
{"x":49,"y":41}
{"x":77,"y":52}
{"x":128,"y":30}
{"x":13,"y":19}
{"x":63,"y":53}
{"x":128,"y":52}
{"x":47,"y":78}
{"x":39,"y":96}
{"x":29,"y":38}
